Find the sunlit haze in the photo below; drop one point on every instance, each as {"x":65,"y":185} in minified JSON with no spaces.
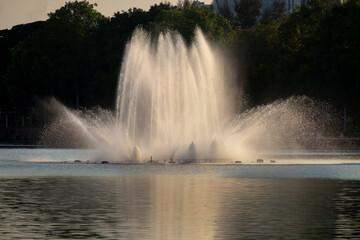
{"x":14,"y":12}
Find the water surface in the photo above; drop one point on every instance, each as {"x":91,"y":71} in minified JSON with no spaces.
{"x":55,"y":200}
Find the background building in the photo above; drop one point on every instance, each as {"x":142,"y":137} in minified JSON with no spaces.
{"x":289,"y":5}
{"x":199,"y":4}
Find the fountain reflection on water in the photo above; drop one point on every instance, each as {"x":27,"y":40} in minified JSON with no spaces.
{"x":177,"y":102}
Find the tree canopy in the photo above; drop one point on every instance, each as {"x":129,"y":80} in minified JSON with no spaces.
{"x":247,"y":11}
{"x":76,"y":54}
{"x":313,"y":51}
{"x":275,"y":11}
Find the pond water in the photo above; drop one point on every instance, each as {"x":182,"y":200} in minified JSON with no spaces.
{"x":43,"y":197}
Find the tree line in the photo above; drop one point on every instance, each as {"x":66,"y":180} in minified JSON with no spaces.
{"x":75,"y":55}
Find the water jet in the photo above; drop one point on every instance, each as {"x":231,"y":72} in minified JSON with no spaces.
{"x":171,"y":94}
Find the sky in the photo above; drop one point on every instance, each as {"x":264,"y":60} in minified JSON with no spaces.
{"x":14,"y":12}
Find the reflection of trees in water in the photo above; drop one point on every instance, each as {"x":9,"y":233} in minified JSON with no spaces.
{"x":348,"y":210}
{"x":278,"y":209}
{"x":107,"y":207}
{"x":71,"y":207}
{"x":150,"y":207}
{"x":292,"y":209}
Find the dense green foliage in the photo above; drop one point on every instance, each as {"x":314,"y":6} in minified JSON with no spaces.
{"x":8,"y":40}
{"x":275,"y":11}
{"x":48,"y":61}
{"x":185,"y":21}
{"x":76,"y":54}
{"x":247,"y":11}
{"x":314,"y":51}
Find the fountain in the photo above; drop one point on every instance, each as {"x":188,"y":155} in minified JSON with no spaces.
{"x":176,"y":101}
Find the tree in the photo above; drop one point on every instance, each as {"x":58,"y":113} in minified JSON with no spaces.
{"x":102,"y":53}
{"x":247,"y":12}
{"x":47,"y":62}
{"x":263,"y":51}
{"x":8,"y":40}
{"x":80,"y":17}
{"x":336,"y":56}
{"x":186,"y":20}
{"x":275,"y":11}
{"x":224,"y":11}
{"x":182,"y":4}
{"x":281,"y":54}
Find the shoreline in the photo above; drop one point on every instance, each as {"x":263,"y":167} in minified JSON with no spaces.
{"x":277,"y":163}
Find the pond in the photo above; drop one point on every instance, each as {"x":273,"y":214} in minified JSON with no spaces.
{"x":41,"y":196}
